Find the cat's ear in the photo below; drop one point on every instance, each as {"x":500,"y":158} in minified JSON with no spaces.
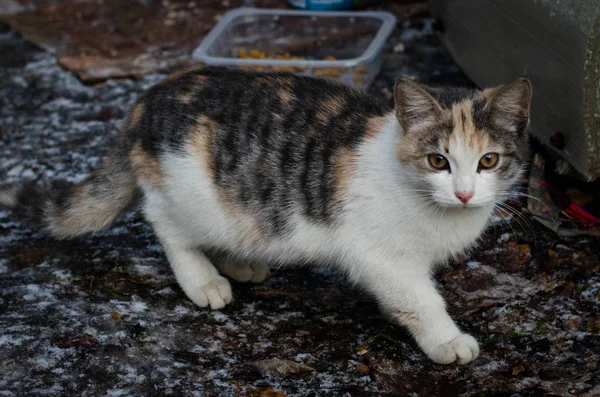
{"x":509,"y":105}
{"x":416,"y":109}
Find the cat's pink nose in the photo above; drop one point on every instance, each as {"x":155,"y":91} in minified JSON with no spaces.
{"x":464,"y":196}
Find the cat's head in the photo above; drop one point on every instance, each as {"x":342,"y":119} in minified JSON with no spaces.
{"x":466,"y":148}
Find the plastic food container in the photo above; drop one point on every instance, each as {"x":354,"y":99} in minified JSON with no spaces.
{"x":342,"y":45}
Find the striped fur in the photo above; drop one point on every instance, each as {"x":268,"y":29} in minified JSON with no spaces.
{"x":65,"y":210}
{"x":237,"y":169}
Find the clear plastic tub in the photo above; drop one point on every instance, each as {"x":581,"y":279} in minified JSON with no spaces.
{"x":342,"y":45}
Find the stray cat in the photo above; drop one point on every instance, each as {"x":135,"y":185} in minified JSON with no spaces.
{"x":237,"y":169}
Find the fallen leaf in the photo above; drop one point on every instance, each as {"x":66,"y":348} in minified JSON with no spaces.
{"x":280,"y":368}
{"x":554,"y":260}
{"x":516,"y":255}
{"x":572,"y":323}
{"x":84,"y":341}
{"x":568,"y":288}
{"x":362,"y":369}
{"x":518,"y":369}
{"x":29,"y":256}
{"x":262,"y":392}
{"x":361,"y":350}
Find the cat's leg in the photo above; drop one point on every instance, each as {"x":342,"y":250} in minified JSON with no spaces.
{"x":194,"y":272}
{"x":196,"y":275}
{"x":406,"y":292}
{"x":241,"y":270}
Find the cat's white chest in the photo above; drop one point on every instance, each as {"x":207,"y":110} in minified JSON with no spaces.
{"x":454,"y":233}
{"x":425,"y":234}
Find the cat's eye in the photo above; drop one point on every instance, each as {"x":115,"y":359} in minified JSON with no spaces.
{"x":488,"y":161}
{"x":438,"y":161}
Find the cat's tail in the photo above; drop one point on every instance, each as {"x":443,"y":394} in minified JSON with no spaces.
{"x":67,"y":210}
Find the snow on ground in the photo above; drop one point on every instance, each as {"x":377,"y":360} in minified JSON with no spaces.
{"x":103,"y":315}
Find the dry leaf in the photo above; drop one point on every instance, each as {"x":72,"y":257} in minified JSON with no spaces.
{"x":280,"y":368}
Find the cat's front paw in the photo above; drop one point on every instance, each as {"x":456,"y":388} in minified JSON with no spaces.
{"x":244,"y":272}
{"x":215,"y":294}
{"x":462,"y":349}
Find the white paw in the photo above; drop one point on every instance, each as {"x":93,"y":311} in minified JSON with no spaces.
{"x":245,"y":272}
{"x":462,"y":349}
{"x":215,"y":294}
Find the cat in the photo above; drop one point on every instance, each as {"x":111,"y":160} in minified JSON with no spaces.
{"x":236,"y":169}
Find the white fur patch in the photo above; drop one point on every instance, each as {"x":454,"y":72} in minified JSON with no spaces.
{"x":388,"y":240}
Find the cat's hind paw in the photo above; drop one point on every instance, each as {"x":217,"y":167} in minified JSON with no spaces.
{"x":244,"y":272}
{"x":215,"y":294}
{"x":462,"y":350}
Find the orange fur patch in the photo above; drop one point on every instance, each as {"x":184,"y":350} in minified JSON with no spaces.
{"x":181,"y":73}
{"x":464,"y":127}
{"x":200,"y":79}
{"x":250,"y":229}
{"x":346,"y":159}
{"x":344,"y":168}
{"x":329,"y":108}
{"x":192,"y":93}
{"x":282,"y":84}
{"x":200,"y":145}
{"x":145,"y":166}
{"x":409,"y":149}
{"x":200,"y":142}
{"x":135,"y":115}
{"x":376,"y":124}
{"x":247,"y":225}
{"x":187,"y":97}
{"x":285,"y":94}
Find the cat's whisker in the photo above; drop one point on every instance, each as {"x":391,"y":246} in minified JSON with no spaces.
{"x":518,"y":194}
{"x":518,"y":218}
{"x":495,"y":224}
{"x":426,"y":204}
{"x":509,"y":225}
{"x":490,"y":222}
{"x":525,"y":220}
{"x":441,"y":218}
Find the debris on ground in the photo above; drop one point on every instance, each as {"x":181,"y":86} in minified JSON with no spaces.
{"x":279,"y":368}
{"x":567,"y":210}
{"x":103,"y":39}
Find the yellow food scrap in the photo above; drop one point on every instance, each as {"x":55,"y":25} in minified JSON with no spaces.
{"x":361,"y":350}
{"x":244,"y":53}
{"x":329,"y":72}
{"x":359,"y":74}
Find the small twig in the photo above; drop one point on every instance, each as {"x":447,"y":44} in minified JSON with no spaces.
{"x":91,"y":285}
{"x":480,"y":308}
{"x":384,"y":336}
{"x":158,"y":284}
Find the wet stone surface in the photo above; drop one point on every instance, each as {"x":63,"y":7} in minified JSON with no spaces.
{"x":103,"y":315}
